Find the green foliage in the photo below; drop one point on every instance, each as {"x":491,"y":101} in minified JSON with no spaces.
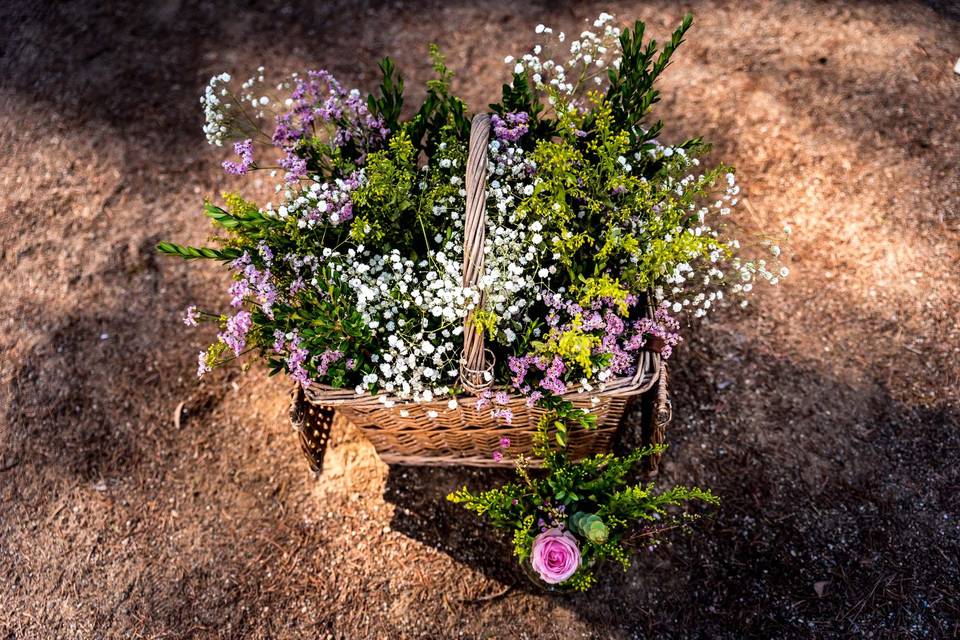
{"x":239,"y":215}
{"x":523,"y":538}
{"x":386,"y":199}
{"x":324,"y":320}
{"x":640,"y":502}
{"x":631,"y":92}
{"x":389,"y":104}
{"x":608,"y":207}
{"x":593,"y":498}
{"x":396,"y":206}
{"x":585,"y":193}
{"x":604,"y":286}
{"x":582,"y":580}
{"x":440,"y":110}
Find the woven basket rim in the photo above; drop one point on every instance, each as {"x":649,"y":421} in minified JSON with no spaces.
{"x":639,"y":383}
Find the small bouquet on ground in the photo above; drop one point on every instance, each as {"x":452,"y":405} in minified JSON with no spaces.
{"x":574,"y":515}
{"x":599,"y":240}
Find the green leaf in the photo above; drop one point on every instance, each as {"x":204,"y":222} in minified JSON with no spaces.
{"x":562,"y":438}
{"x":248,"y":220}
{"x":194,"y":253}
{"x":390,"y":102}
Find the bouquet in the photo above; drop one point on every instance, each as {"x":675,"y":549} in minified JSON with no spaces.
{"x":600,"y":240}
{"x":575,"y":515}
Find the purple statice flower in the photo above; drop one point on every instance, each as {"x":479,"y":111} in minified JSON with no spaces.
{"x":244,"y":149}
{"x":296,"y":285}
{"x":483,"y":399}
{"x":519,"y":365}
{"x":501,"y":397}
{"x":662,"y":326}
{"x":556,"y":302}
{"x":614,"y":327}
{"x":258,"y":284}
{"x":504,"y":442}
{"x":552,"y":381}
{"x":190,"y":316}
{"x":327,"y":358}
{"x":285,"y":135}
{"x":619,"y":342}
{"x":295,"y":358}
{"x":351,"y":363}
{"x":252,"y":282}
{"x":268,"y":295}
{"x":238,"y":291}
{"x":621,"y":362}
{"x":265,"y":252}
{"x":345,"y":214}
{"x":296,"y":167}
{"x":235,"y":334}
{"x":511,"y":127}
{"x":278,"y":341}
{"x":505,"y":414}
{"x":241,"y":262}
{"x":533,"y":398}
{"x":591,"y":321}
{"x":318,"y":100}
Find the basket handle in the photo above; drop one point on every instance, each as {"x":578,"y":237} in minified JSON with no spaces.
{"x":474,"y":361}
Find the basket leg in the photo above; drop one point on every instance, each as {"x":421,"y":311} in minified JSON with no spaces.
{"x":312,"y":424}
{"x":662,"y":415}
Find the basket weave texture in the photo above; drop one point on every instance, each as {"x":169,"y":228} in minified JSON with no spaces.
{"x":428,"y":433}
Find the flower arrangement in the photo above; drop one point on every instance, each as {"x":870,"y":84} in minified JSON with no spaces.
{"x":575,"y":514}
{"x":599,"y":240}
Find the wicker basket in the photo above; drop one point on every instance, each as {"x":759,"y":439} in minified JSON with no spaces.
{"x":313,"y":424}
{"x":431,"y":433}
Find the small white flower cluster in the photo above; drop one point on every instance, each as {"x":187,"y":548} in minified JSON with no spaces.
{"x":317,"y":203}
{"x":583,"y":64}
{"x":216,"y":109}
{"x":698,"y":285}
{"x":258,"y":100}
{"x":419,"y":317}
{"x":694,"y":291}
{"x":416,"y":309}
{"x":513,"y":276}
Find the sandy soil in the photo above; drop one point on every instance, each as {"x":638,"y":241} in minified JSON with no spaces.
{"x":826,"y":415}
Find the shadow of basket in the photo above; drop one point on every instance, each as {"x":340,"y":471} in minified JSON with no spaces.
{"x":419,"y":492}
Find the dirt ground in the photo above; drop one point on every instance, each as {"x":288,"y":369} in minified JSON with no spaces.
{"x":826,"y":415}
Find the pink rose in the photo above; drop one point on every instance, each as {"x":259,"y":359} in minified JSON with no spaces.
{"x":555,"y":555}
